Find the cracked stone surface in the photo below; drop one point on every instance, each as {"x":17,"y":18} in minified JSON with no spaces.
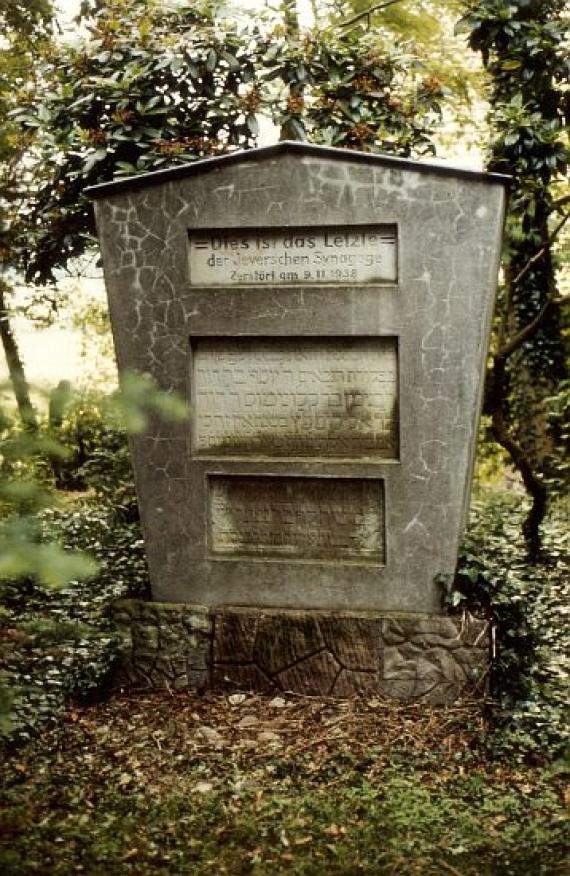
{"x":414,"y":659}
{"x":434,"y":319}
{"x":163,"y":645}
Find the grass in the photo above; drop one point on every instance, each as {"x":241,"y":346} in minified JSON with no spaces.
{"x":248,"y":785}
{"x":243,"y":784}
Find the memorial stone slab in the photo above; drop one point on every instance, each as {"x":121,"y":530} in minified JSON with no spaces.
{"x":326,"y":314}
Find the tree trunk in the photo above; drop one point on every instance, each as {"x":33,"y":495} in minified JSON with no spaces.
{"x":15,"y":366}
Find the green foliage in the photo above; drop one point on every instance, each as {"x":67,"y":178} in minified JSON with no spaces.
{"x":523,"y":46}
{"x":427,"y":28}
{"x":347,"y":89}
{"x":38,"y":548}
{"x":150,"y":86}
{"x":94,"y":427}
{"x":22,"y":552}
{"x":93,"y":432}
{"x":342,"y":788}
{"x":559,"y":422}
{"x":25,"y":32}
{"x":85,"y":447}
{"x":156,"y":85}
{"x":25,"y":18}
{"x":529,"y":611}
{"x":58,"y":643}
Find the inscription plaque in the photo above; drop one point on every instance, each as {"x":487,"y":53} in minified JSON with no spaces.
{"x":296,"y":518}
{"x":298,"y":256}
{"x":302,"y":397}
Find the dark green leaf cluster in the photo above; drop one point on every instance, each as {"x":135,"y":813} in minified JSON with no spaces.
{"x":347,"y":90}
{"x":524,"y":48}
{"x":61,"y":643}
{"x":23,"y":456}
{"x":528,"y":607}
{"x":27,"y":18}
{"x":153,"y":86}
{"x":98,"y":456}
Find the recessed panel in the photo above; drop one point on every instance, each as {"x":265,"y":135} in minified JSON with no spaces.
{"x":293,"y":256}
{"x":302,"y":397}
{"x":330,"y":519}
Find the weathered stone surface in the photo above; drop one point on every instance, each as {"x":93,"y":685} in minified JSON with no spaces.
{"x":411,"y":659}
{"x":283,"y":640}
{"x":327,"y":397}
{"x":326,"y":314}
{"x":234,"y":637}
{"x":242,"y":677}
{"x":313,"y":676}
{"x":145,"y":637}
{"x":161,"y":644}
{"x":354,"y":641}
{"x":350,"y":684}
{"x":182,"y":682}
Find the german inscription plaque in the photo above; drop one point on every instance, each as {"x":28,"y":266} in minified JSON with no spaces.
{"x":296,"y":518}
{"x":296,"y":397}
{"x":298,"y":256}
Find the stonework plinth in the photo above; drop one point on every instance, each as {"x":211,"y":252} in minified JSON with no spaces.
{"x":408,"y":658}
{"x":163,"y":645}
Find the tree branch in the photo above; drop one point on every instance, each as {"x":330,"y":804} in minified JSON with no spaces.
{"x":15,"y":366}
{"x":528,"y":330}
{"x":538,"y":255}
{"x":369,"y":12}
{"x":560,"y":202}
{"x":533,"y":484}
{"x":525,"y":333}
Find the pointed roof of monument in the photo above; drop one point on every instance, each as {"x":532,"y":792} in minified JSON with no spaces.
{"x":286,"y":147}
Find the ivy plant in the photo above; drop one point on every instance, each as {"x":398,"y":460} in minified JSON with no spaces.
{"x":522,"y":44}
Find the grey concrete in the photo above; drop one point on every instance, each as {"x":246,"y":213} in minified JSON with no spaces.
{"x":327,"y":315}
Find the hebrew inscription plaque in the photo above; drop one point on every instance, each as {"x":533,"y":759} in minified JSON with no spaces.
{"x":296,"y":518}
{"x":298,"y":256}
{"x":301,"y":397}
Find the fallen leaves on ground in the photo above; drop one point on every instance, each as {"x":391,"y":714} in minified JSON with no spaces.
{"x":241,"y":783}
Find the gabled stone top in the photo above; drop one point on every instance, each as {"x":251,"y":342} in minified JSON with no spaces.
{"x":203,"y":165}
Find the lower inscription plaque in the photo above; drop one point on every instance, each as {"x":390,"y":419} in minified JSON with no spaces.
{"x":307,"y":397}
{"x":296,"y":518}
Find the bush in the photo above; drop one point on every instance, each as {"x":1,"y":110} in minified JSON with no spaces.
{"x":58,"y":643}
{"x":98,"y":459}
{"x":528,"y":607}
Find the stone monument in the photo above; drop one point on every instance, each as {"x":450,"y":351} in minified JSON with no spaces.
{"x":326,"y":313}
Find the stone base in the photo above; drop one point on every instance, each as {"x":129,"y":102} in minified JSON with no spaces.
{"x":409,"y":658}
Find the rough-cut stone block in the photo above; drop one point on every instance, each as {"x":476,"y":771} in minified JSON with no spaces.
{"x":392,"y":631}
{"x":181,"y":682}
{"x":123,"y":618}
{"x":474,"y":631}
{"x":162,"y":643}
{"x":350,"y":684}
{"x":163,"y":665}
{"x":430,"y":660}
{"x":173,"y":637}
{"x":234,"y":637}
{"x":283,"y":640}
{"x":313,"y":676}
{"x":242,"y":677}
{"x":145,"y":637}
{"x":198,"y":621}
{"x":354,"y":641}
